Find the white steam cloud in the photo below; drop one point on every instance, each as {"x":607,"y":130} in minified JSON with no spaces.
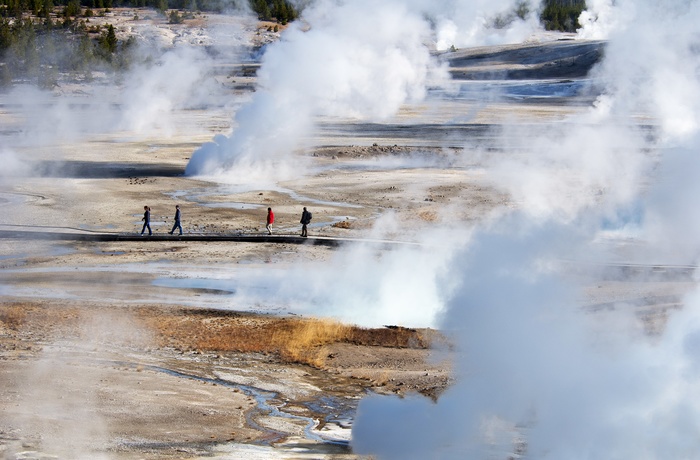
{"x":143,"y":101}
{"x":359,"y":59}
{"x":60,"y":408}
{"x":462,"y":24}
{"x":152,"y":93}
{"x":13,"y":165}
{"x":536,"y":375}
{"x":600,"y":18}
{"x":337,"y":62}
{"x":540,"y":378}
{"x":371,"y":287}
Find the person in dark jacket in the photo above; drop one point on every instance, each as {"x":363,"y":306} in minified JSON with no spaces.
{"x":146,"y":220}
{"x":270,"y":220}
{"x":305,"y":220}
{"x":177,"y":223}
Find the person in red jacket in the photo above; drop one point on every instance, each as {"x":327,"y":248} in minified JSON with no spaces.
{"x":270,"y":220}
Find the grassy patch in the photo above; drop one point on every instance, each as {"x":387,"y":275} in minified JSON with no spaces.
{"x":293,"y":339}
{"x":300,"y":340}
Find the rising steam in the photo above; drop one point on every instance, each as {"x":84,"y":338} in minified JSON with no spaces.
{"x":537,"y":376}
{"x":359,"y":59}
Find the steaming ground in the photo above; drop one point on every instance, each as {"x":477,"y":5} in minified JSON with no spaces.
{"x":82,"y":374}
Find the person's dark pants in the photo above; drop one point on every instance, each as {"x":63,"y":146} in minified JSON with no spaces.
{"x":176,"y":225}
{"x":147,"y":225}
{"x":303,"y":230}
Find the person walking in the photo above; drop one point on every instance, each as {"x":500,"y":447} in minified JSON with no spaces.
{"x":270,"y":220}
{"x":177,"y":223}
{"x":146,"y":220}
{"x":305,"y":220}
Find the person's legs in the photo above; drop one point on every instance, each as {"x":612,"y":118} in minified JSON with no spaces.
{"x":179,"y":225}
{"x":303,"y":230}
{"x":145,"y":224}
{"x":269,"y":229}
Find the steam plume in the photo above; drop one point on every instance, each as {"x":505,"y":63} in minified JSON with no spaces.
{"x":536,"y":374}
{"x":359,"y":59}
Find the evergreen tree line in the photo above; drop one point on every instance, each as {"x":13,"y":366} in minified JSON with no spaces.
{"x":36,"y":50}
{"x":280,"y":10}
{"x":41,"y":38}
{"x":562,"y":15}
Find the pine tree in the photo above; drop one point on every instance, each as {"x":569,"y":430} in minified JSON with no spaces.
{"x":110,"y":40}
{"x":6,"y":35}
{"x":72,"y":9}
{"x":37,"y":7}
{"x":5,"y":75}
{"x":562,"y":14}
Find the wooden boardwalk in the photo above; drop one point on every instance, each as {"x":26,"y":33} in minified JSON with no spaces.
{"x":66,"y":234}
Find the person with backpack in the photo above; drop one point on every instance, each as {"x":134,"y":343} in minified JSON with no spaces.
{"x":305,"y":220}
{"x":146,"y":220}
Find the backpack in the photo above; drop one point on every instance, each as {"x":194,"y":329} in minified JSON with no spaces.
{"x":305,"y":218}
